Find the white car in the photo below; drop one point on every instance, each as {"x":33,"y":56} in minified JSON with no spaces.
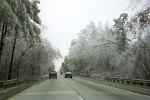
{"x":68,"y":74}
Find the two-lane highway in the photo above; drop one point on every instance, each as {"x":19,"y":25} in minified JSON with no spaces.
{"x":75,"y":89}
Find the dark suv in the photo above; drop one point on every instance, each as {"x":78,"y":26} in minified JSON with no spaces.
{"x":68,"y":74}
{"x":52,"y":74}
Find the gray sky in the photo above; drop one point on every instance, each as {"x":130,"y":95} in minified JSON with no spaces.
{"x":65,"y":18}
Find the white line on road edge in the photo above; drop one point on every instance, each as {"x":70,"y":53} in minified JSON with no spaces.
{"x":81,"y":98}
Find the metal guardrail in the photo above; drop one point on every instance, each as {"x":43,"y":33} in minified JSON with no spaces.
{"x":136,"y":82}
{"x":15,"y":82}
{"x":10,"y":83}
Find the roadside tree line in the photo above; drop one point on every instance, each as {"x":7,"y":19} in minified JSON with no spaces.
{"x":121,"y":50}
{"x":23,"y":52}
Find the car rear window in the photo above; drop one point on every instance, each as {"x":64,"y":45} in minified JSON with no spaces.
{"x":68,"y":73}
{"x":52,"y":72}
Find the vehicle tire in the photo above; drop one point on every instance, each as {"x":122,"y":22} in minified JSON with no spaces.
{"x":56,"y":77}
{"x":65,"y":77}
{"x":49,"y":77}
{"x":71,"y":77}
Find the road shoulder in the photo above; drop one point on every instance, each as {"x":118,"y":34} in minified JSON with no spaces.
{"x":136,"y":89}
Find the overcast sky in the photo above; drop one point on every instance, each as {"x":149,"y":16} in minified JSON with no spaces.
{"x":65,"y":18}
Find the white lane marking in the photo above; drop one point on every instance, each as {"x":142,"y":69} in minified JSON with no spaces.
{"x":66,"y":84}
{"x":81,"y":98}
{"x":63,"y":80}
{"x":47,"y":93}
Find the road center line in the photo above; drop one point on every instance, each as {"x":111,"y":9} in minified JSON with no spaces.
{"x":81,"y":98}
{"x":79,"y":95}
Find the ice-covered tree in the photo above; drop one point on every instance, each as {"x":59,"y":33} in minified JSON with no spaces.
{"x":120,"y":32}
{"x":92,"y":52}
{"x":8,"y":21}
{"x":20,"y":40}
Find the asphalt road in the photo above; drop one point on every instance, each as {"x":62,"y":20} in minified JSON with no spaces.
{"x":75,"y":89}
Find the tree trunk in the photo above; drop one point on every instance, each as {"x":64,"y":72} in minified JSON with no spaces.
{"x":18,"y":68}
{"x":1,"y":41}
{"x":5,"y":71}
{"x":12,"y":56}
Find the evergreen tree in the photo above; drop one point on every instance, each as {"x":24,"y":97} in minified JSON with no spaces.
{"x":120,"y":32}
